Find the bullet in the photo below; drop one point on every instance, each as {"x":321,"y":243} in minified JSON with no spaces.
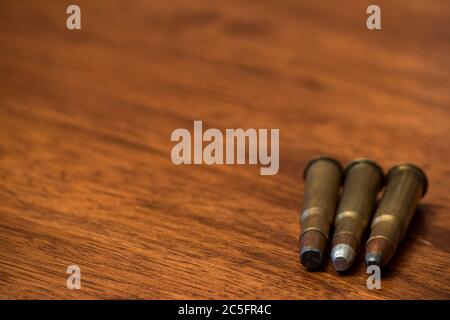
{"x":362,"y":182}
{"x":406,"y":184}
{"x":323,"y":177}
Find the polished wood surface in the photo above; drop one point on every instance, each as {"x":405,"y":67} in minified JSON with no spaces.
{"x":86,"y":117}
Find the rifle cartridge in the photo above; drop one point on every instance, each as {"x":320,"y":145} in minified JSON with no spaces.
{"x":362,"y":182}
{"x":323,"y":177}
{"x":406,"y":185}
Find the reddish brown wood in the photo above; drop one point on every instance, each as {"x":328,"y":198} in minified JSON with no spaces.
{"x":85,"y":123}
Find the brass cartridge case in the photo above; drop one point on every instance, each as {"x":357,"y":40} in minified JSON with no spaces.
{"x":323,"y":177}
{"x":362,"y":182}
{"x":406,"y":184}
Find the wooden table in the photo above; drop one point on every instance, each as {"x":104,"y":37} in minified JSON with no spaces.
{"x":86,"y":117}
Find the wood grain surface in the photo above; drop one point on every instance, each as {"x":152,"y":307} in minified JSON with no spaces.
{"x":85,"y":122}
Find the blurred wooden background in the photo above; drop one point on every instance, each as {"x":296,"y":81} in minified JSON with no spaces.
{"x":85,"y":122}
